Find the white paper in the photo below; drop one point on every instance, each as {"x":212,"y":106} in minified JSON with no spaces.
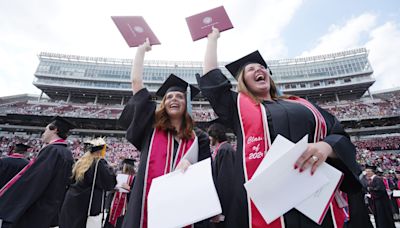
{"x":272,"y":189}
{"x":192,"y":155}
{"x":122,"y":178}
{"x":178,"y":199}
{"x":315,"y":207}
{"x":396,"y":193}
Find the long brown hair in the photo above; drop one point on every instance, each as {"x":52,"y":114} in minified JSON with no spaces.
{"x":163,"y":122}
{"x":273,"y":91}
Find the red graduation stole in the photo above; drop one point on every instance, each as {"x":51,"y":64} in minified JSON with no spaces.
{"x":161,"y":161}
{"x":119,"y":202}
{"x":18,"y":175}
{"x":256,"y":142}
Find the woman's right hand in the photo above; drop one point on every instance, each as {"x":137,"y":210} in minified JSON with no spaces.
{"x":145,"y":46}
{"x":214,"y":34}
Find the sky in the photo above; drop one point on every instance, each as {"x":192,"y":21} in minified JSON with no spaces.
{"x":278,"y":28}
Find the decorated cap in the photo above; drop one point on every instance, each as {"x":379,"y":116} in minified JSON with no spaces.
{"x":96,"y":144}
{"x":174,"y":83}
{"x":237,"y":65}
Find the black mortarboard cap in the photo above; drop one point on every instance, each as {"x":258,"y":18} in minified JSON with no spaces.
{"x":373,"y":167}
{"x":129,"y":161}
{"x":397,"y":171}
{"x":21,"y":148}
{"x":236,"y":66}
{"x":174,"y":83}
{"x":62,"y":124}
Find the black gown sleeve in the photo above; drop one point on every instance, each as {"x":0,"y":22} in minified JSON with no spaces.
{"x":345,"y":150}
{"x":223,"y":173}
{"x":29,"y":187}
{"x":217,"y":89}
{"x":138,"y":117}
{"x":204,"y":144}
{"x":106,"y":178}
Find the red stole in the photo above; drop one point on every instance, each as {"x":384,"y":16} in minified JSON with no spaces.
{"x":119,"y":202}
{"x":16,"y":155}
{"x":18,"y":175}
{"x":214,"y":154}
{"x":256,"y":142}
{"x":161,"y":161}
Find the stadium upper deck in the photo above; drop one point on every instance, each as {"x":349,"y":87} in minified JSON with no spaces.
{"x":335,"y":76}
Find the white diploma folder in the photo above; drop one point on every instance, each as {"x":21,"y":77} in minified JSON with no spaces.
{"x":396,"y":193}
{"x":121,"y":178}
{"x":278,"y":187}
{"x":316,"y":206}
{"x":179,"y":199}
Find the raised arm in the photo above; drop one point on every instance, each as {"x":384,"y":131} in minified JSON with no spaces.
{"x":210,"y":58}
{"x":137,"y":66}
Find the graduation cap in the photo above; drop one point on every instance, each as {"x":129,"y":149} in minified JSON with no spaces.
{"x":236,"y":66}
{"x":96,"y":144}
{"x":21,"y":148}
{"x":129,"y":161}
{"x":174,"y":83}
{"x":397,"y":171}
{"x":373,"y":167}
{"x":62,"y":124}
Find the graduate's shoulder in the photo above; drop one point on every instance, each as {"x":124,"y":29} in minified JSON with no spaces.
{"x":57,"y":150}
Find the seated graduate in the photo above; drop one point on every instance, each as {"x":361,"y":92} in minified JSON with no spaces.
{"x":11,"y":165}
{"x":33,"y":197}
{"x":75,"y":208}
{"x":164,"y":136}
{"x":257,"y":104}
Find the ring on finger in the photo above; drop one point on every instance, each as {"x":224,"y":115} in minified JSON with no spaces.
{"x":314,"y":158}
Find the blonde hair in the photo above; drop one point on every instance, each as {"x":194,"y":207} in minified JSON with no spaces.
{"x":83,"y":164}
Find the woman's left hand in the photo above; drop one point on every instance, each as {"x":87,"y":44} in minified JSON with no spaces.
{"x":314,"y":156}
{"x":183,"y":165}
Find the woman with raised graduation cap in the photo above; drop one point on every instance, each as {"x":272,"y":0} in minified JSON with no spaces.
{"x":256,"y":105}
{"x":163,"y":136}
{"x":75,"y":208}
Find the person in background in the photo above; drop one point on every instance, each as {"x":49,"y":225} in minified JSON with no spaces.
{"x":257,"y":114}
{"x":33,"y":197}
{"x":222,"y":167}
{"x":75,"y":208}
{"x":11,"y":165}
{"x":164,"y":136}
{"x":119,"y":201}
{"x":380,"y":200}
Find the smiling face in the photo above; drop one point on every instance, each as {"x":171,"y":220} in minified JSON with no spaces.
{"x":257,"y":80}
{"x":175,"y":104}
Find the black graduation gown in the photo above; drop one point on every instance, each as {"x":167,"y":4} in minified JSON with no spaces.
{"x":290,"y":120}
{"x":138,"y":117}
{"x":76,"y":203}
{"x":35,"y":199}
{"x":223,"y":166}
{"x":381,"y":204}
{"x":9,"y":167}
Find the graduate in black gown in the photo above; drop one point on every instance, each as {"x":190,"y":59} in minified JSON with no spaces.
{"x":11,"y":165}
{"x":222,"y":168}
{"x":381,"y":204}
{"x":33,"y":198}
{"x":257,"y":105}
{"x":151,"y":132}
{"x":76,"y":203}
